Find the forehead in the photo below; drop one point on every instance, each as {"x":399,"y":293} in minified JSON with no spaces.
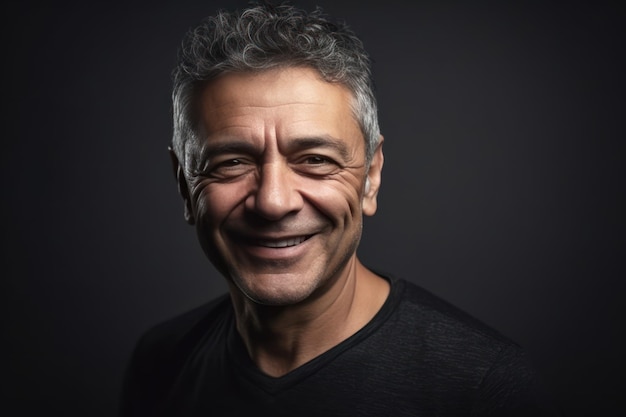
{"x":284,"y":102}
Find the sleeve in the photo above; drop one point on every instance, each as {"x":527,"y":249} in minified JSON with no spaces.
{"x":151,"y":372}
{"x":141,"y":382}
{"x":158,"y":358}
{"x":512,"y":388}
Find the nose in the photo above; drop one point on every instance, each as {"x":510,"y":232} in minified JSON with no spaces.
{"x":276,"y":194}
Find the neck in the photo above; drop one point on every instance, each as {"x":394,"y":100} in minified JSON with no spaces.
{"x":281,"y":338}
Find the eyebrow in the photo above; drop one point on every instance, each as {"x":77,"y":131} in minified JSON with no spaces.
{"x":293,"y":145}
{"x":323,"y":141}
{"x":228,"y":146}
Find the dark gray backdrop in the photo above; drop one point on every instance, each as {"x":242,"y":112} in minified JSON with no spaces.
{"x":502,"y":188}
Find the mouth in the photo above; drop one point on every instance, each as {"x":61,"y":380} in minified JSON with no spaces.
{"x":281,"y":243}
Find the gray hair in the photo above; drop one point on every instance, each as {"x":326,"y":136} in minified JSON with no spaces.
{"x":263,"y":37}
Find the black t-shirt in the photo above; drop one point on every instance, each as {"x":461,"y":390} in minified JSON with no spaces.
{"x":419,"y":356}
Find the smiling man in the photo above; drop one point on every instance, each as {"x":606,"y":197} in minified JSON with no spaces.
{"x":278,"y":157}
{"x":277,"y":194}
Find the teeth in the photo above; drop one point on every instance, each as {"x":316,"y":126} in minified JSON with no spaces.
{"x":282,"y":243}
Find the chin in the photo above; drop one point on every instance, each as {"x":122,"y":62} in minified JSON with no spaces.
{"x":277,"y":290}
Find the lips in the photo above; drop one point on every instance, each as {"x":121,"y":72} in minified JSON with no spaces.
{"x":281,"y":243}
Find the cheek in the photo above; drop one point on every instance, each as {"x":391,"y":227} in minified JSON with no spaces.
{"x":337,"y":198}
{"x":215,"y":202}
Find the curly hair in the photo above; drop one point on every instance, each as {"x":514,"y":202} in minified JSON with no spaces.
{"x":263,"y":37}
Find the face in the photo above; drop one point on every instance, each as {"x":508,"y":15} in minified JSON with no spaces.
{"x":277,"y":191}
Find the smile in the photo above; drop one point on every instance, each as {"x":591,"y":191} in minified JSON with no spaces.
{"x":282,"y":243}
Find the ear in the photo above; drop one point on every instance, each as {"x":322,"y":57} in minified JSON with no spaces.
{"x":183,"y":188}
{"x":373,"y":179}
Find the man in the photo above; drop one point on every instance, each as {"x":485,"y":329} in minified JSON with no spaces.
{"x":278,"y":156}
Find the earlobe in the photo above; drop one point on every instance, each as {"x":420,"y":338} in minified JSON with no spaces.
{"x":373,"y":180}
{"x":183,"y":188}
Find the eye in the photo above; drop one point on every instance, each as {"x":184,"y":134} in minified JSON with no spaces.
{"x":317,"y":165}
{"x":317,"y":160}
{"x":230,"y":163}
{"x":229,"y":168}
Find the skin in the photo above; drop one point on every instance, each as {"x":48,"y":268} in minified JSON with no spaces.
{"x":277,"y":194}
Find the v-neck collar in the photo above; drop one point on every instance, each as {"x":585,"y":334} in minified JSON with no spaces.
{"x":247,"y":369}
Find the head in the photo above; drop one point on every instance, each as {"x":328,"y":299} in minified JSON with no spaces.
{"x":266,"y":37}
{"x":276,"y":148}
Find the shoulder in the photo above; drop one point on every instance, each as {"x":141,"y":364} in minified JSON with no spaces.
{"x":442,"y":339}
{"x":163,"y":350}
{"x":437,"y":317}
{"x":183,"y":329}
{"x":466,"y":356}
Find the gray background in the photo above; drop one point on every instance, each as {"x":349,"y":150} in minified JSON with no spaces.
{"x":502,"y":189}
